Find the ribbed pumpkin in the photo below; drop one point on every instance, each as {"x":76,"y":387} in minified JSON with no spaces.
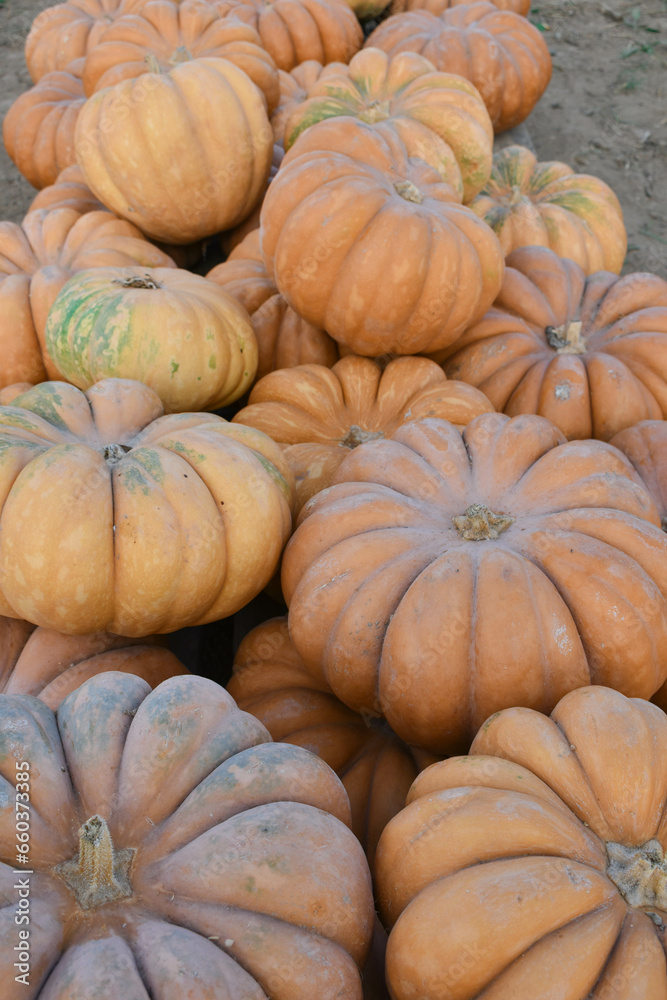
{"x":112,"y":519}
{"x":345,"y":198}
{"x":48,"y":665}
{"x":321,"y":414}
{"x":645,"y":444}
{"x":438,"y":6}
{"x":294,"y":88}
{"x":69,"y":190}
{"x":38,"y":129}
{"x":293,"y":31}
{"x":176,"y":852}
{"x":406,"y":93}
{"x":9,"y":393}
{"x":445,"y":576}
{"x":588,"y":353}
{"x":376,"y":768}
{"x":210,"y":179}
{"x":36,"y":259}
{"x":174,"y":33}
{"x":500,"y":52}
{"x":546,"y":204}
{"x":535,"y":866}
{"x":283,"y":338}
{"x":230,"y":239}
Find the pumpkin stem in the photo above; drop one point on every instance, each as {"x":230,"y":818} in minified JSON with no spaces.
{"x":639,"y":874}
{"x":180,"y":55}
{"x":152,"y":63}
{"x":356,"y":436}
{"x":516,"y":196}
{"x":99,"y":874}
{"x":137,"y":281}
{"x":112,"y":453}
{"x":566,"y":339}
{"x":377,"y":111}
{"x":479,"y":523}
{"x":409,"y":191}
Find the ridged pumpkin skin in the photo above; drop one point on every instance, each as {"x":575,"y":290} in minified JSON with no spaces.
{"x":229,"y":852}
{"x":172,"y":34}
{"x":36,"y":259}
{"x":406,"y":93}
{"x":321,"y":414}
{"x":445,"y":576}
{"x":293,"y":31}
{"x":376,"y":768}
{"x":438,"y":6}
{"x":500,"y":52}
{"x":345,"y":197}
{"x":112,"y":519}
{"x":230,"y":239}
{"x":294,"y":88}
{"x":534,"y":867}
{"x":527,"y":203}
{"x":122,"y":146}
{"x":590,"y":354}
{"x":38,"y":129}
{"x":69,"y":190}
{"x":187,"y":339}
{"x":645,"y":444}
{"x":284,"y":340}
{"x":48,"y":665}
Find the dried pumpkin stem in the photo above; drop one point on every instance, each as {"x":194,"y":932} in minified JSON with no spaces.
{"x":152,"y":63}
{"x":566,"y":339}
{"x":180,"y":55}
{"x":137,"y":281}
{"x":479,"y":524}
{"x":112,"y":453}
{"x":99,"y":874}
{"x":639,"y":873}
{"x":377,"y":111}
{"x":516,"y":196}
{"x":409,"y":191}
{"x":357,"y":435}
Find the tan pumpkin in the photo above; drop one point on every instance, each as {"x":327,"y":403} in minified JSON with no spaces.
{"x":500,"y":52}
{"x":48,"y":665}
{"x":546,"y":204}
{"x":9,"y":393}
{"x":534,"y":867}
{"x":293,"y":31}
{"x":69,"y":190}
{"x":112,"y":519}
{"x":321,"y":414}
{"x":294,"y":88}
{"x":406,"y":93}
{"x":445,"y":576}
{"x":232,"y":237}
{"x":36,"y":259}
{"x":588,"y":353}
{"x":438,"y":6}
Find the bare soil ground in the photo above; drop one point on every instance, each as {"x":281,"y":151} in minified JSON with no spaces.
{"x":605,"y":112}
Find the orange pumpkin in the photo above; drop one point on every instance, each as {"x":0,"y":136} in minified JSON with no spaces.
{"x":500,"y":52}
{"x":176,"y":851}
{"x":294,"y":88}
{"x":9,"y":393}
{"x":438,"y":6}
{"x":445,"y":576}
{"x":48,"y":665}
{"x":535,"y":866}
{"x":346,"y":196}
{"x":293,"y":31}
{"x":283,"y":338}
{"x":546,"y":204}
{"x":375,"y":767}
{"x":321,"y":414}
{"x":112,"y":519}
{"x":36,"y":259}
{"x":588,"y":353}
{"x":122,"y":145}
{"x":406,"y":93}
{"x":645,"y":444}
{"x":69,"y":190}
{"x":231,"y":239}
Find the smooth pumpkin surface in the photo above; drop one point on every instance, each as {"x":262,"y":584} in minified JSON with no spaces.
{"x":534,"y":867}
{"x":548,"y":205}
{"x":230,"y":239}
{"x":321,"y":414}
{"x":116,"y":518}
{"x":499,"y":51}
{"x":346,"y":196}
{"x":406,"y":93}
{"x":588,"y":353}
{"x":177,"y":851}
{"x":181,"y":335}
{"x":447,"y":575}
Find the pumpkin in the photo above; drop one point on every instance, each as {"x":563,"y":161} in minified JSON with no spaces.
{"x":294,"y":88}
{"x":231,"y":239}
{"x":48,"y":665}
{"x":36,"y":259}
{"x":346,"y":196}
{"x":375,"y":767}
{"x":293,"y":31}
{"x":69,"y":190}
{"x":546,"y":204}
{"x":534,"y":867}
{"x":500,"y":52}
{"x":368,"y":8}
{"x":166,"y":34}
{"x":406,"y":93}
{"x":588,"y":353}
{"x":176,"y":851}
{"x":446,"y":575}
{"x":38,"y":129}
{"x":181,"y":335}
{"x":321,"y":414}
{"x":10,"y":392}
{"x":112,"y":519}
{"x":645,"y":444}
{"x":438,"y":6}
{"x":122,"y":145}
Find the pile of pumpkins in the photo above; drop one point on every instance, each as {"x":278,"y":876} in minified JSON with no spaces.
{"x":279,"y":321}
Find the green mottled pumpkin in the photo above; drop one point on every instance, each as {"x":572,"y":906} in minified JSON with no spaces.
{"x":185,"y":337}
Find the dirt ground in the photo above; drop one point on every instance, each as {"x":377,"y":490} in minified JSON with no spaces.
{"x":605,"y":112}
